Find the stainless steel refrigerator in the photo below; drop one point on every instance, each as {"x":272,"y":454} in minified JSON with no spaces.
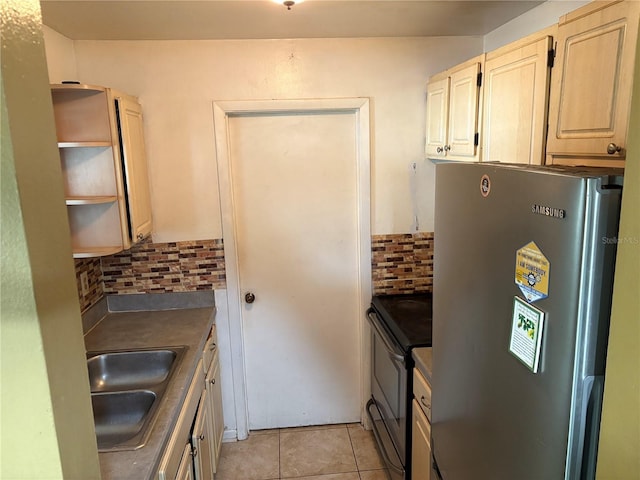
{"x":523,"y":275}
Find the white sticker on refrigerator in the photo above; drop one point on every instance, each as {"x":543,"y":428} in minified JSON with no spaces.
{"x":532,"y":272}
{"x":485,"y":186}
{"x":526,"y":333}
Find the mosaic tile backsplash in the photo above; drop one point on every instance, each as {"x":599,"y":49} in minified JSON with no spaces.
{"x":90,"y":266}
{"x":155,"y":268}
{"x":165,"y":267}
{"x":402,"y":263}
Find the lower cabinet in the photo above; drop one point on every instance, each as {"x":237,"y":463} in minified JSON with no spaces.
{"x":421,"y":429}
{"x":201,"y":438}
{"x":214,"y":406}
{"x":420,"y":445}
{"x":198,"y":461}
{"x":172,"y":460}
{"x":185,"y":467}
{"x":193,"y":449}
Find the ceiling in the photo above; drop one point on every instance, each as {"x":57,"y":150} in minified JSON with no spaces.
{"x":265,"y":19}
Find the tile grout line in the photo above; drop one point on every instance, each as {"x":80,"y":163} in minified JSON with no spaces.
{"x":353,"y":451}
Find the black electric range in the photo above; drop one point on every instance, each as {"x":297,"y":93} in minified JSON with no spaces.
{"x":399,"y":323}
{"x":406,"y":317}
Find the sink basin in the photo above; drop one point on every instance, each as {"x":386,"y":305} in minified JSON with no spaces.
{"x":127,"y":388}
{"x":120,"y":417}
{"x":129,"y":370}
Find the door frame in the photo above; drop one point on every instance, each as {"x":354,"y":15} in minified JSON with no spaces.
{"x":222,"y":111}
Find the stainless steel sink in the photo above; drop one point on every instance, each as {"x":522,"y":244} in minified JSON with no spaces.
{"x":132,"y":369}
{"x":127,"y":388}
{"x":121,"y":417}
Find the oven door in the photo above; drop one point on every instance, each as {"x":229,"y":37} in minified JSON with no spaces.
{"x":389,"y":393}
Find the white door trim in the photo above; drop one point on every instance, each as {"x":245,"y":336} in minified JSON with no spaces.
{"x":222,"y":110}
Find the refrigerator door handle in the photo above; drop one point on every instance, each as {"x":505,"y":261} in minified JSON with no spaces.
{"x":373,"y":320}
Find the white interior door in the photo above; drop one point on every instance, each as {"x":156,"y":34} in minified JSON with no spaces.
{"x":294,"y":183}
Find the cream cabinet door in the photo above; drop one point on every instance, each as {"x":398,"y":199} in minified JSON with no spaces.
{"x":135,"y":166}
{"x":214,"y":405}
{"x":453,"y":98}
{"x":515,"y":101}
{"x":185,"y":469}
{"x":464,"y":94}
{"x":591,"y":87}
{"x":200,"y":440}
{"x":437,"y":117}
{"x":173,"y":455}
{"x":420,"y":445}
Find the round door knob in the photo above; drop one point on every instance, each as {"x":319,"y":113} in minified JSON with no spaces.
{"x":613,"y":148}
{"x":249,"y":297}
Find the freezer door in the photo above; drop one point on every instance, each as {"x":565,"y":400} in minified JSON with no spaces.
{"x":493,"y":417}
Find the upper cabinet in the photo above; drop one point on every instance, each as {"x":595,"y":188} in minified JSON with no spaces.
{"x":592,"y":83}
{"x":452,"y":112}
{"x":516,"y":93}
{"x":104,"y":168}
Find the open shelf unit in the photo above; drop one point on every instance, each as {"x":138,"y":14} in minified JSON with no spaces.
{"x":90,"y":157}
{"x":102,"y":153}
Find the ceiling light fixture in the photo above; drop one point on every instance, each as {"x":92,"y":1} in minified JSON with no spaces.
{"x":288,"y":4}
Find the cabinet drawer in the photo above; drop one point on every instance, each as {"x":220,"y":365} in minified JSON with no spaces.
{"x":422,"y":392}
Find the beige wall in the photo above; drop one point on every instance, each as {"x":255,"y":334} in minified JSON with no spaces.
{"x":177,"y":81}
{"x":61,"y":56}
{"x":532,"y":21}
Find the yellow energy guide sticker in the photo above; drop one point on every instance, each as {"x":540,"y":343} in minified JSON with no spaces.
{"x":532,"y":272}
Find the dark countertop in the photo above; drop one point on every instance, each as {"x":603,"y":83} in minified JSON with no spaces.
{"x":422,"y":357}
{"x":144,"y":329}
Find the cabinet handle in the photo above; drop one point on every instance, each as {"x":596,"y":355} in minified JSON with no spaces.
{"x":212,"y":347}
{"x":140,"y":236}
{"x":212,"y":381}
{"x":423,"y":402}
{"x":447,"y":148}
{"x":613,"y":148}
{"x":439,"y":150}
{"x":201,"y":437}
{"x":194,"y":452}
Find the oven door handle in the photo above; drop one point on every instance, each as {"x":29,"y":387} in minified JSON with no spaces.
{"x":373,"y":320}
{"x":374,"y":428}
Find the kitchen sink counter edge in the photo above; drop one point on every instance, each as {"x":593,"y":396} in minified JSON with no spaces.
{"x":147,"y":321}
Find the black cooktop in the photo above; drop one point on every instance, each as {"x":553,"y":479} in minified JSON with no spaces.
{"x":407,"y":317}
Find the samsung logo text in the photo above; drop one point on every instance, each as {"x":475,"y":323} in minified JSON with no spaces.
{"x":548,"y":211}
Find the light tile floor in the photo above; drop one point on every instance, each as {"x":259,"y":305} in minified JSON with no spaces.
{"x":327,"y":452}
